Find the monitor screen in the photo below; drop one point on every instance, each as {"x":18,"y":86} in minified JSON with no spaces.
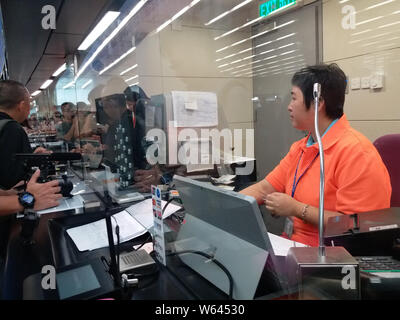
{"x":73,"y":282}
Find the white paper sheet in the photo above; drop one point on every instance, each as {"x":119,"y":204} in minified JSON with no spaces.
{"x":143,"y":212}
{"x":94,"y":235}
{"x":281,"y":245}
{"x":195,"y":109}
{"x":225,"y":179}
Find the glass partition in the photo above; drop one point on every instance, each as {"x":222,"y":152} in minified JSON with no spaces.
{"x":191,"y":87}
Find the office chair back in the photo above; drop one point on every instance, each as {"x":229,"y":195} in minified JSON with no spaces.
{"x":388,"y":147}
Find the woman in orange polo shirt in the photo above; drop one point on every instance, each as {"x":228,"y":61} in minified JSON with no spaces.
{"x":356,"y":179}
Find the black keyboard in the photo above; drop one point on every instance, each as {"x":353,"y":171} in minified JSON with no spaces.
{"x":378,"y":264}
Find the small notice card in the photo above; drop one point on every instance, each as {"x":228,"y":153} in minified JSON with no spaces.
{"x":159,"y":243}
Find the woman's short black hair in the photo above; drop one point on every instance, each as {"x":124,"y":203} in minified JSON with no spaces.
{"x":333,"y":87}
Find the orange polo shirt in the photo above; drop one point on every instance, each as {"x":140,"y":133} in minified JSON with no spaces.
{"x":356,"y":179}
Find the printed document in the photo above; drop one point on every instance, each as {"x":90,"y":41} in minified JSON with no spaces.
{"x":133,"y":222}
{"x":94,"y":235}
{"x":195,"y":109}
{"x":282,"y":245}
{"x":143,"y":212}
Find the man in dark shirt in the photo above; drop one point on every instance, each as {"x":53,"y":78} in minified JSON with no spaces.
{"x":14,"y":107}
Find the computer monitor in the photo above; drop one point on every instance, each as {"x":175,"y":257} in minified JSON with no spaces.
{"x":227,"y":226}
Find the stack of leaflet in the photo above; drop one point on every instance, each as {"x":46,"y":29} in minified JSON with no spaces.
{"x":224,"y":181}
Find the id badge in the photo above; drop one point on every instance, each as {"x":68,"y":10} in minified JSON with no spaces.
{"x":288,"y":229}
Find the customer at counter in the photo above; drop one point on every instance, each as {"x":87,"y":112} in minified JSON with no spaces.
{"x":14,"y":110}
{"x":356,"y":179}
{"x":68,"y":128}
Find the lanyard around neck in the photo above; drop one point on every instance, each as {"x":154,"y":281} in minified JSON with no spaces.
{"x":296,"y":182}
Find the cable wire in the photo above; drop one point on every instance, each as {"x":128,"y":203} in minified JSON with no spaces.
{"x":219,"y":264}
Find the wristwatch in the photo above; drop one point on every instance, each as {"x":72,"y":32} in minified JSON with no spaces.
{"x":27,"y":200}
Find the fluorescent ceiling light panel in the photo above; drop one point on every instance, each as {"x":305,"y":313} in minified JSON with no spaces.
{"x":46,"y":84}
{"x":379,"y":4}
{"x":135,"y":10}
{"x":69,"y":85}
{"x":117,"y":60}
{"x":258,"y":46}
{"x":102,"y":26}
{"x":256,"y":35}
{"x":258,"y":54}
{"x":86,"y":84}
{"x":177,"y":15}
{"x":361,"y":32}
{"x":388,"y":25}
{"x":228,"y":12}
{"x":369,"y":20}
{"x":60,"y":70}
{"x":127,"y":70}
{"x":36,"y":93}
{"x":134,"y":77}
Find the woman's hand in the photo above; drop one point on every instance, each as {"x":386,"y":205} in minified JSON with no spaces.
{"x":283,"y":205}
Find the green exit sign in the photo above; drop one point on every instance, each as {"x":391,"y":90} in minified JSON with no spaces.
{"x":274,"y":5}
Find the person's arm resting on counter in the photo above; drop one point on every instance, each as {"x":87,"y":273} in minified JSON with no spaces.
{"x":46,"y":196}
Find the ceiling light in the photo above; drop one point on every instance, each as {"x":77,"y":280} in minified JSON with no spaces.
{"x":127,"y":70}
{"x":36,"y":93}
{"x":86,"y":84}
{"x":60,"y":70}
{"x":388,"y":25}
{"x":102,"y":26}
{"x":69,"y":85}
{"x":46,"y":84}
{"x":135,"y":10}
{"x":379,"y":4}
{"x":361,"y":32}
{"x":228,"y":12}
{"x":117,"y":60}
{"x":134,"y":77}
{"x":177,"y":15}
{"x":369,"y":20}
{"x":256,"y":35}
